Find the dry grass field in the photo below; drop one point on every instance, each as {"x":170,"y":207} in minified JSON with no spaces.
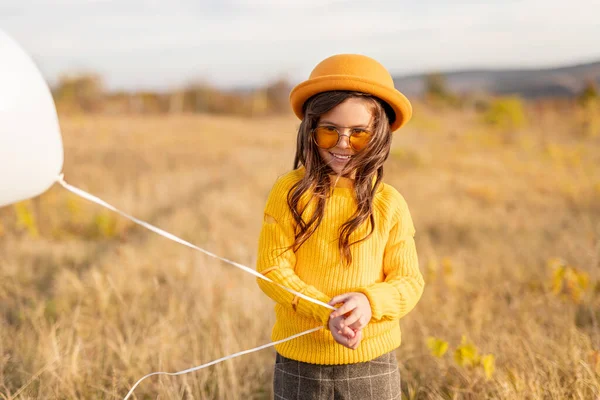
{"x":508,"y":235}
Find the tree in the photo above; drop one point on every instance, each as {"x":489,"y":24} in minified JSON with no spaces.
{"x":80,"y":92}
{"x":278,"y":96}
{"x":437,"y":91}
{"x":589,"y":101}
{"x":589,"y":94}
{"x":506,"y":113}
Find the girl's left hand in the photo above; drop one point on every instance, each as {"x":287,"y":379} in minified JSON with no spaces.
{"x":357,"y":304}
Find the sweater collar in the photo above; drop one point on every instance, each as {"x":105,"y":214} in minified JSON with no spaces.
{"x":338,"y":182}
{"x":341,"y":182}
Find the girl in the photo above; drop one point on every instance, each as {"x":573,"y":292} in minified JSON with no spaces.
{"x":334,"y":231}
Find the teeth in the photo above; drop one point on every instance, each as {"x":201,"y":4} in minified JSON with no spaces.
{"x":340,"y":156}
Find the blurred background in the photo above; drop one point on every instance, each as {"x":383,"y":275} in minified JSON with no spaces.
{"x":178,"y":114}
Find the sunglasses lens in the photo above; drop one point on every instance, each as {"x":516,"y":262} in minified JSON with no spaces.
{"x":326,"y":137}
{"x":360,"y":139}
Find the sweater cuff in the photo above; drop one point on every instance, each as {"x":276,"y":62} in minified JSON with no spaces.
{"x":324,"y":316}
{"x":380,"y":294}
{"x":318,"y":311}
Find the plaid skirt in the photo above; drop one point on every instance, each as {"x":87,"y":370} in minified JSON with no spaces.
{"x":378,"y":379}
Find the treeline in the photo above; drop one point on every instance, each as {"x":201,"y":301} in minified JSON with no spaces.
{"x":438,"y":93}
{"x":87,"y":94}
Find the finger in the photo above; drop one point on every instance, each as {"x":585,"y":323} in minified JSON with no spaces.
{"x":339,"y":325}
{"x":353,"y":343}
{"x":341,"y":339}
{"x":357,"y":340}
{"x":355,"y":316}
{"x":349,"y":333}
{"x":360,"y":324}
{"x":357,"y":326}
{"x":344,"y":330}
{"x":346,"y":307}
{"x":339,"y":299}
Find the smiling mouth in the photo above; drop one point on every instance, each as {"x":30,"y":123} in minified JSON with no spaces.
{"x":340,"y":157}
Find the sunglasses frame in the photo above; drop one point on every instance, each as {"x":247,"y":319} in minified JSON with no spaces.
{"x":337,"y":129}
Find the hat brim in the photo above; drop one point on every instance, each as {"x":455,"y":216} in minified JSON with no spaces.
{"x":396,"y":100}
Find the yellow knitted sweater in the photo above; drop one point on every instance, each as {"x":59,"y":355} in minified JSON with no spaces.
{"x":384,"y":267}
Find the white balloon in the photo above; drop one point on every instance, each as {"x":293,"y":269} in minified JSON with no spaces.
{"x":31,"y":151}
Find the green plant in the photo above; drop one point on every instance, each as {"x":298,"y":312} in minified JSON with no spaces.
{"x":26,"y":217}
{"x":506,"y":113}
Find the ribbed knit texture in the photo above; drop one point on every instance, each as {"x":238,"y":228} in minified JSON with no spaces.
{"x":385,"y":268}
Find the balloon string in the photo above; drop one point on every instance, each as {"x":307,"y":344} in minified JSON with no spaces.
{"x":174,"y":238}
{"x":223,"y":358}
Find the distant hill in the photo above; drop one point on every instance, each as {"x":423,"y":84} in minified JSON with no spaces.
{"x":529,"y":83}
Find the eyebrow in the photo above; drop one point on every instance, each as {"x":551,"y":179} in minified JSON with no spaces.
{"x":337,"y":126}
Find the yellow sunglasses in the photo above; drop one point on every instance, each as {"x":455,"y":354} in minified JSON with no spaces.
{"x":327,"y":137}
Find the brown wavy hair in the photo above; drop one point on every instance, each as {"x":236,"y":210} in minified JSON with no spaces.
{"x":368,"y":164}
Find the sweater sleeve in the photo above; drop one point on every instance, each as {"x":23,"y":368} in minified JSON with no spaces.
{"x":403,"y":285}
{"x":277,"y":261}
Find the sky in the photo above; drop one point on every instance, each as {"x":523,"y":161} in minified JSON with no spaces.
{"x":148,"y":44}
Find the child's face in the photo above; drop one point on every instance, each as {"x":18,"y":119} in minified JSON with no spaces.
{"x":352,"y":113}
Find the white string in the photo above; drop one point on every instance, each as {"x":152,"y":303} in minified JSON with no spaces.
{"x":241,"y":353}
{"x":174,"y":238}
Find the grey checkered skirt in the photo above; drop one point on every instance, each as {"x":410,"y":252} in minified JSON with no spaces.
{"x":378,"y":379}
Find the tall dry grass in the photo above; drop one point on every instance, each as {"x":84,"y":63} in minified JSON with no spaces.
{"x":90,"y":302}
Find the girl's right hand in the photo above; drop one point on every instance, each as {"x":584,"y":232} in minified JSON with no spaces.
{"x":344,"y":335}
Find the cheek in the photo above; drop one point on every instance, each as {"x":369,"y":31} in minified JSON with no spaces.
{"x":324,"y":154}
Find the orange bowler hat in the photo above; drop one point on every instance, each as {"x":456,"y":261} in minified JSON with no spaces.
{"x":353,"y":72}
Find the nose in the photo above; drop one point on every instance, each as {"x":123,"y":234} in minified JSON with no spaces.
{"x":344,"y":141}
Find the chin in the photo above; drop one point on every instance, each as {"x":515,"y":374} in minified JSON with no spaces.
{"x":337,"y":169}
